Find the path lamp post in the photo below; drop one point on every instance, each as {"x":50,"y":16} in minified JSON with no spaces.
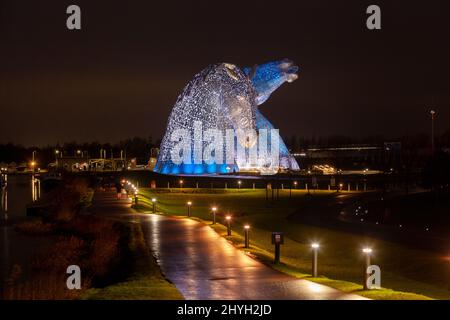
{"x":228,"y":218}
{"x":189,"y":204}
{"x":367,"y":252}
{"x":277,"y":240}
{"x":239,"y":184}
{"x":214,"y":209}
{"x":136,"y":196}
{"x":315,"y":249}
{"x":154,"y":204}
{"x":247,"y":237}
{"x":181,"y":184}
{"x":57,"y":153}
{"x":295,"y":184}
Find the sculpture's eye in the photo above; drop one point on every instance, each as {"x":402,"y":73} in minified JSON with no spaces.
{"x":230,"y":66}
{"x":231,"y":70}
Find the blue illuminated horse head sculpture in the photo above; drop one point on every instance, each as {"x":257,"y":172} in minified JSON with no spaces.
{"x":222,"y":96}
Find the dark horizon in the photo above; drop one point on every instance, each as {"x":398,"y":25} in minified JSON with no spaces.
{"x":121,"y":74}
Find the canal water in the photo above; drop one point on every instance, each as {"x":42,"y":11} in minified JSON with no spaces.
{"x":16,"y":248}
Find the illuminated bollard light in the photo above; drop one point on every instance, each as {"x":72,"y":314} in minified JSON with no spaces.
{"x":247,"y":237}
{"x":277,"y":240}
{"x":214,"y":209}
{"x":367,"y":252}
{"x":136,"y":196}
{"x":189,"y":204}
{"x":315,"y":249}
{"x":154,"y":204}
{"x":228,"y":218}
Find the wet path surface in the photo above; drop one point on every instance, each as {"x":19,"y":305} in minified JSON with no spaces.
{"x":203,"y":265}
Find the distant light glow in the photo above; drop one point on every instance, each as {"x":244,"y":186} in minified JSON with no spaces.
{"x":315,"y":245}
{"x":367,"y":250}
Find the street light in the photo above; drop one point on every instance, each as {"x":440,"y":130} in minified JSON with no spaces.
{"x":154,"y":204}
{"x":33,"y":165}
{"x":246,"y":233}
{"x":239,"y":184}
{"x":367,"y":252}
{"x":181,"y":184}
{"x":295,"y":184}
{"x":214,"y":209}
{"x":189,"y":204}
{"x":315,"y":249}
{"x":433,"y":114}
{"x":228,"y":218}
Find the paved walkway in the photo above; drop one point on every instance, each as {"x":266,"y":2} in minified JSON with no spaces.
{"x":203,"y":265}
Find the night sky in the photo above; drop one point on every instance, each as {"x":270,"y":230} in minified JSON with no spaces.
{"x":121,"y":74}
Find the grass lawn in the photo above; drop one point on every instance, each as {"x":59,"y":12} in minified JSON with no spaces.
{"x":408,"y":273}
{"x":146,"y":281}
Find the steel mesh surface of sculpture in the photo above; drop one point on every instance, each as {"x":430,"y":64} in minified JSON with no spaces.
{"x":223,"y":96}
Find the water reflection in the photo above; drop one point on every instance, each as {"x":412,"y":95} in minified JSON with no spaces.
{"x":15,"y":194}
{"x":16,"y":248}
{"x":35,"y":188}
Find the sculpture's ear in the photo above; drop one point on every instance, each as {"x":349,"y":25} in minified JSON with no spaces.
{"x":250,"y":71}
{"x":266,"y":78}
{"x":253,"y":72}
